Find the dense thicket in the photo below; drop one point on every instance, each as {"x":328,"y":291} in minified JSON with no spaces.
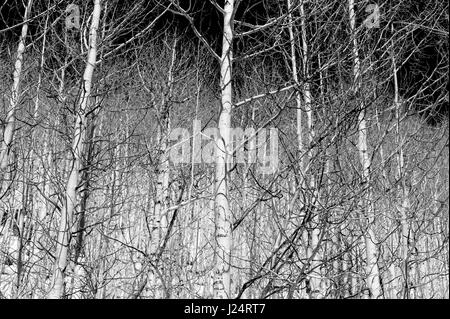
{"x":353,"y":200}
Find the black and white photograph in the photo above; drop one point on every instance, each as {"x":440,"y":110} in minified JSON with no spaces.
{"x":247,"y":150}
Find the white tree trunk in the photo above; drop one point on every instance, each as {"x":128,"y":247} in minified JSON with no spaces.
{"x":315,"y":280}
{"x":222,"y":270}
{"x":8,"y":132}
{"x":67,"y":212}
{"x":307,"y":100}
{"x":298,"y":100}
{"x":373,"y":276}
{"x":162,"y":186}
{"x":403,"y":190}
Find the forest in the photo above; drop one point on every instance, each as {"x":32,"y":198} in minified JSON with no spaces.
{"x":216,"y":149}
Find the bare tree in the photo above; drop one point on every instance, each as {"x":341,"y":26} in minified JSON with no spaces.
{"x":71,"y":202}
{"x":8,"y":132}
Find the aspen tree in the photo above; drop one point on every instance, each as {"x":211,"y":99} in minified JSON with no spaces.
{"x":162,"y":170}
{"x":307,"y":101}
{"x":403,"y":189}
{"x":315,"y":232}
{"x":373,"y":276}
{"x":298,"y":103}
{"x":13,"y":242}
{"x":222,"y":270}
{"x":298,"y":100}
{"x":71,"y":200}
{"x":8,"y":132}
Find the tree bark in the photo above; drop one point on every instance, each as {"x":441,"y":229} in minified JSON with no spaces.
{"x":8,"y":133}
{"x":373,"y":277}
{"x":403,"y":189}
{"x":222,"y":269}
{"x":69,"y":207}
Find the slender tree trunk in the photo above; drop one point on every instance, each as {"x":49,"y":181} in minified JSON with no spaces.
{"x":79,"y":220}
{"x":298,"y":100}
{"x":222,"y":269}
{"x":8,"y":133}
{"x":373,"y":277}
{"x":6,"y":144}
{"x":162,"y":170}
{"x":246,"y":199}
{"x":67,"y":212}
{"x":403,"y":190}
{"x":300,"y":182}
{"x":315,"y":280}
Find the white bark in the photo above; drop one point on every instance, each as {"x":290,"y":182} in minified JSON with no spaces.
{"x":373,"y":276}
{"x":298,"y":100}
{"x":162,"y":187}
{"x":403,"y":190}
{"x":315,"y":280}
{"x":10,"y":125}
{"x":67,"y":212}
{"x":307,"y":100}
{"x":222,"y":270}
